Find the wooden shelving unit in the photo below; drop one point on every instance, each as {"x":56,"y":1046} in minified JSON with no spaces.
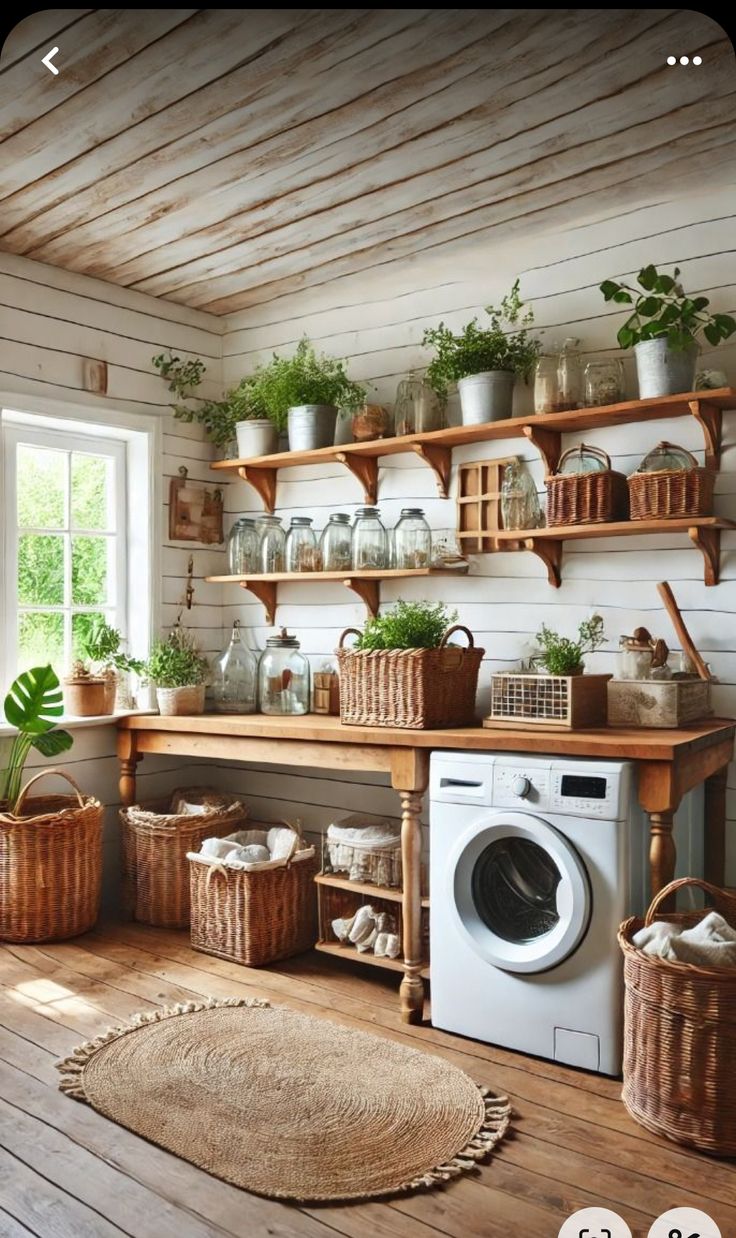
{"x":363,"y":890}
{"x":363,"y":887}
{"x":366,"y":584}
{"x":349,"y":952}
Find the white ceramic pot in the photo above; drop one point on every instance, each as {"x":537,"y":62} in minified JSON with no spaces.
{"x":175,"y":702}
{"x":486,"y":397}
{"x":256,"y":438}
{"x":312,"y":426}
{"x":664,"y":371}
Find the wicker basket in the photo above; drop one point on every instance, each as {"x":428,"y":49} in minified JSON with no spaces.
{"x":254,"y":917}
{"x":155,"y":846}
{"x":680,"y":1036}
{"x":586,"y":498}
{"x":672,"y":492}
{"x":419,"y":689}
{"x":50,"y":865}
{"x":549,"y":702}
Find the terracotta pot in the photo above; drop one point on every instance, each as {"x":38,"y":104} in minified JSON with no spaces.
{"x":85,"y":698}
{"x":176,"y":702}
{"x":370,"y":422}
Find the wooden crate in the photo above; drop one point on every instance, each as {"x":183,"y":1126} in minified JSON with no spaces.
{"x":658,"y":702}
{"x":479,"y":504}
{"x":547,"y":702}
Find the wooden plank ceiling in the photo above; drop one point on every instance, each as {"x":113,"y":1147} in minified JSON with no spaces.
{"x":218,"y":157}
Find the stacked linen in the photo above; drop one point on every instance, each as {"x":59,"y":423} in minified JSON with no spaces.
{"x":711,"y":943}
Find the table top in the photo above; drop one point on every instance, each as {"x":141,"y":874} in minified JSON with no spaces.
{"x":633,"y":743}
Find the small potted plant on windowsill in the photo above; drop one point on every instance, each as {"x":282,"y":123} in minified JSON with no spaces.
{"x":86,"y":694}
{"x":562,"y":697}
{"x":663,"y":330}
{"x":102,"y":645}
{"x":307,"y":390}
{"x":484,"y":362}
{"x":239,"y":422}
{"x":178,"y":672}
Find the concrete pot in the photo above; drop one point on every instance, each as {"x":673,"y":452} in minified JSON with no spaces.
{"x":312,"y":426}
{"x":486,"y":397}
{"x":256,"y":438}
{"x":662,"y":370}
{"x":175,"y":702}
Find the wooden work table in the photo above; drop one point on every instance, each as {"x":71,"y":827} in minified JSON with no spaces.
{"x":670,"y":763}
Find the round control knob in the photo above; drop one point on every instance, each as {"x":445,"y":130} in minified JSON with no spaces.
{"x":521,"y":786}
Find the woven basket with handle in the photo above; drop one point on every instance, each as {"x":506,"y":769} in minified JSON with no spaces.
{"x":586,"y":498}
{"x":413,"y":688}
{"x":680,"y":1035}
{"x":672,"y":492}
{"x":50,"y":864}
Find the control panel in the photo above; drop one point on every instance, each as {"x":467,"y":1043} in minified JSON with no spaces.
{"x":520,"y":785}
{"x":585,"y":794}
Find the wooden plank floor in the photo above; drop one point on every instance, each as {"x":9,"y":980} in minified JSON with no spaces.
{"x":67,"y":1172}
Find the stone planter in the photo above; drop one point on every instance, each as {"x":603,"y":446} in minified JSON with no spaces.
{"x":256,"y":438}
{"x":664,"y":371}
{"x":176,"y":702}
{"x":486,"y":397}
{"x":312,"y":426}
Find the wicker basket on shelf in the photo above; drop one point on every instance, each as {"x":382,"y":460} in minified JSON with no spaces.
{"x":155,"y":845}
{"x":671,"y":492}
{"x":50,"y":864}
{"x":590,"y":497}
{"x":680,"y":1035}
{"x":420,"y":689}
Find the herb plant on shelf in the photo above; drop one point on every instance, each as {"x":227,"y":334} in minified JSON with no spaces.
{"x":32,"y":706}
{"x":178,"y":671}
{"x":240,"y":415}
{"x":408,"y":625}
{"x":307,"y":390}
{"x":559,"y":655}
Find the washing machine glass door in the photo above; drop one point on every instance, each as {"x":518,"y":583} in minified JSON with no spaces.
{"x":521,"y":892}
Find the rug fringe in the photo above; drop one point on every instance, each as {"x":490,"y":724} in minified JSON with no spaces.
{"x":490,"y":1133}
{"x":72,"y":1067}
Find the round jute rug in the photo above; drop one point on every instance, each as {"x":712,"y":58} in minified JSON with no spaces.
{"x":287,"y":1105}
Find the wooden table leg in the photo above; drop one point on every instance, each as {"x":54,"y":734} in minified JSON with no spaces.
{"x":714,"y":813}
{"x":662,"y":851}
{"x":129,"y":758}
{"x":409,"y":776}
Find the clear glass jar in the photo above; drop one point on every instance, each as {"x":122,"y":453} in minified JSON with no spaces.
{"x":520,"y":507}
{"x":235,"y":677}
{"x":667,"y":457}
{"x":417,"y":408}
{"x":242,"y":548}
{"x":546,"y":386}
{"x":301,"y":546}
{"x":370,"y":541}
{"x":604,"y":382}
{"x":412,"y":540}
{"x":283,"y":677}
{"x":569,"y":376}
{"x":271,"y":544}
{"x":336,"y":544}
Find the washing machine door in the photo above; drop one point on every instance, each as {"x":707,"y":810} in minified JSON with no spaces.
{"x":520,"y":892}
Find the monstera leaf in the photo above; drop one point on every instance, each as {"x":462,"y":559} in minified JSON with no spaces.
{"x":53,"y":742}
{"x":34,"y":700}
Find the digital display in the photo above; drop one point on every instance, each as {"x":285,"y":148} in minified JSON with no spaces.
{"x":583,"y":787}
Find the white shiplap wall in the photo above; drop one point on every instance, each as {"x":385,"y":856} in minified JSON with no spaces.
{"x":376,"y":319}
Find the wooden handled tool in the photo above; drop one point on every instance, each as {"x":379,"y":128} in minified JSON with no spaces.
{"x":678,"y":623}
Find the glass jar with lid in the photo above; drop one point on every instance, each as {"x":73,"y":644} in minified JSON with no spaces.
{"x":336,"y":543}
{"x":583,"y":458}
{"x":283,"y":676}
{"x":412,"y":540}
{"x":667,"y":458}
{"x":417,"y":408}
{"x":370,"y":540}
{"x":242,"y":548}
{"x":546,"y":386}
{"x":271,"y":544}
{"x":604,"y":382}
{"x":235,"y":677}
{"x":520,"y":507}
{"x":569,"y":376}
{"x":301,"y":546}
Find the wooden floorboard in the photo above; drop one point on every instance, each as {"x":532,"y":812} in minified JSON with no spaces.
{"x":67,"y":1172}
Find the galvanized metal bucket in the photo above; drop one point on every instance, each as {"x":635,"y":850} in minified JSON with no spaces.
{"x":312,"y":426}
{"x":258,"y":437}
{"x":487,"y":396}
{"x":664,"y":371}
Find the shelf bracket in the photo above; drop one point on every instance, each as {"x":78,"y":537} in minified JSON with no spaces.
{"x":439,"y":460}
{"x":550,"y":552}
{"x":262,"y":480}
{"x":365,"y":468}
{"x":547,"y":442}
{"x":708,"y":542}
{"x":265,"y":591}
{"x":367,"y":591}
{"x":710,"y":420}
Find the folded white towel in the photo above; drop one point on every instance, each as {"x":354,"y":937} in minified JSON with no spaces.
{"x":711,"y":943}
{"x":218,"y":848}
{"x":252,"y":854}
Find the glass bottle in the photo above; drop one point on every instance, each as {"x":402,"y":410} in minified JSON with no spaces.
{"x":417,"y":408}
{"x":569,"y":375}
{"x":546,"y":386}
{"x":283,"y":676}
{"x":520,"y":507}
{"x":370,"y":541}
{"x":235,"y":677}
{"x":336,"y":544}
{"x":242,"y":548}
{"x":301,"y":546}
{"x":272,"y":544}
{"x":412,"y":540}
{"x":604,"y":382}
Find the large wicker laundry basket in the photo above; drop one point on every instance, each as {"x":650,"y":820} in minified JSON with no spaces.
{"x":155,"y":845}
{"x":680,"y":1035}
{"x":50,"y":864}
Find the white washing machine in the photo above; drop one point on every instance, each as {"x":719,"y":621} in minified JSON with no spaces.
{"x":534,"y":863}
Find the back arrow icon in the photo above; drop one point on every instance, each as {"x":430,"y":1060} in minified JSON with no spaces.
{"x":47,"y":61}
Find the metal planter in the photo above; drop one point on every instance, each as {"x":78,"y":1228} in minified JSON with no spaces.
{"x":664,"y":371}
{"x":312,"y":426}
{"x":487,"y":396}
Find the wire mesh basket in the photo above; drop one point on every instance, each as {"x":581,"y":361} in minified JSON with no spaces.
{"x":553,"y":702}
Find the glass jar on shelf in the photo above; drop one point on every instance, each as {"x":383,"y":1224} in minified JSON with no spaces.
{"x":242,"y":548}
{"x":546,"y":386}
{"x":370,"y":541}
{"x":412,"y":540}
{"x":520,"y":508}
{"x":447,"y":552}
{"x":235,"y":677}
{"x":604,"y":382}
{"x":569,"y":376}
{"x":271,"y":544}
{"x":301,"y":546}
{"x":336,"y":543}
{"x":418,"y":408}
{"x":283,"y":677}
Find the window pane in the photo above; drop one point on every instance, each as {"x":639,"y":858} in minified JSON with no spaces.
{"x":92,"y":492}
{"x":89,"y":571}
{"x":81,"y":625}
{"x":40,"y":640}
{"x":40,"y":569}
{"x":41,"y":487}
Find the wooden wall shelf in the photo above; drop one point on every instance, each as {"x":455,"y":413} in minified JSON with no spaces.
{"x":366,"y":584}
{"x":543,"y":431}
{"x":703,"y":531}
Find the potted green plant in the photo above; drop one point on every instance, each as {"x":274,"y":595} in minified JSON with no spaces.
{"x":663,"y":329}
{"x":179,"y":672}
{"x":86,"y":694}
{"x":32,"y":706}
{"x":240,"y":417}
{"x":307,"y":390}
{"x":561,"y":655}
{"x":551,"y":690}
{"x":102,"y":645}
{"x":484,"y":361}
